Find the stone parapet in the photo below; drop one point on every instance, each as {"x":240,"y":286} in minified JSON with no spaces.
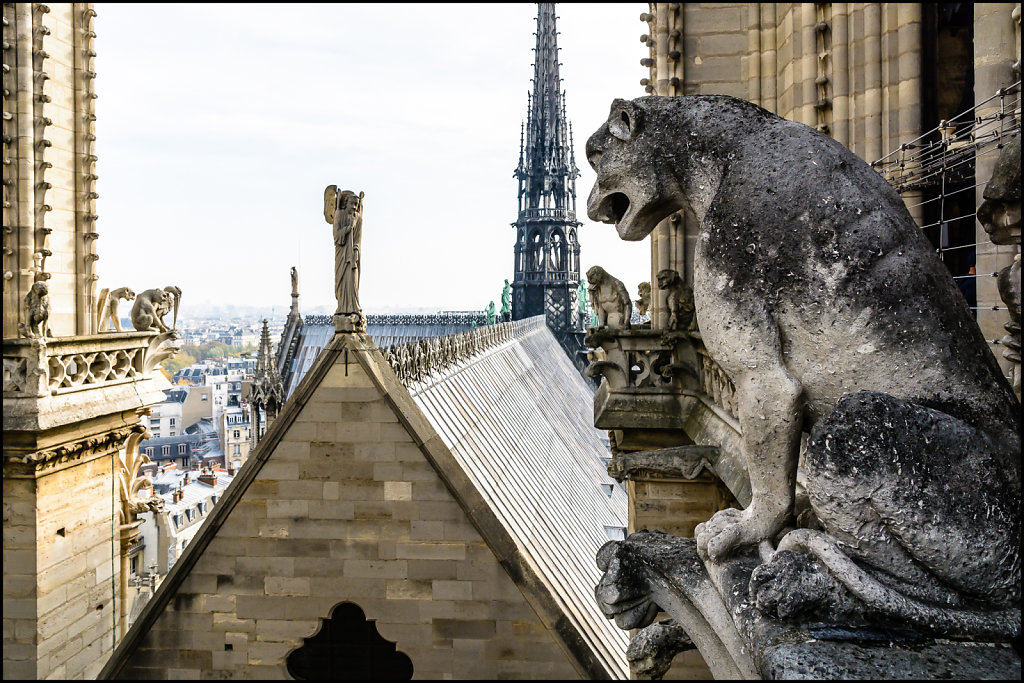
{"x":52,"y":382}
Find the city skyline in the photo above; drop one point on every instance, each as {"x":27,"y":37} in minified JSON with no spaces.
{"x":215,"y":144}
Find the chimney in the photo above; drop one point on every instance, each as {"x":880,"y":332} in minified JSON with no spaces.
{"x":231,"y":471}
{"x":186,"y":479}
{"x":208,"y":478}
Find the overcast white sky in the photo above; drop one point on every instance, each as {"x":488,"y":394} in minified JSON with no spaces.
{"x":219,"y":126}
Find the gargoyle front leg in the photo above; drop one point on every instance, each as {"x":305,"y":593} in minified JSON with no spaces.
{"x":770,"y":411}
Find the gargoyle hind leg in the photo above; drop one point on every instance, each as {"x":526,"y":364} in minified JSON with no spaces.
{"x":921,"y":514}
{"x":770,"y":416}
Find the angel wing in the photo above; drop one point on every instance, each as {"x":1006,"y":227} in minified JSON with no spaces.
{"x":330,"y":203}
{"x":101,"y":304}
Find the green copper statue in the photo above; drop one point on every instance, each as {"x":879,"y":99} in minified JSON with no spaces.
{"x":581,"y":297}
{"x":492,"y":316}
{"x":506,"y":302}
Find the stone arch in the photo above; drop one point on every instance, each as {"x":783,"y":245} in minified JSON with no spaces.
{"x":557,"y":250}
{"x":347,"y":646}
{"x":537,"y":251}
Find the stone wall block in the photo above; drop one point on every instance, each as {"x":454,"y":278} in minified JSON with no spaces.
{"x":409,"y":589}
{"x":431,"y":551}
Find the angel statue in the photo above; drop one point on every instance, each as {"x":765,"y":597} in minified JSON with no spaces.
{"x":344,"y":210}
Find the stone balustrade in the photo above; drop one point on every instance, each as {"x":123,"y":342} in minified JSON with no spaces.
{"x":37,"y":368}
{"x":646,"y":373}
{"x":415,"y":361}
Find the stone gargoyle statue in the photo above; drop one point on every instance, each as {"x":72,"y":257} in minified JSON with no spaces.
{"x":999,"y":214}
{"x":820,"y":298}
{"x":152,"y":305}
{"x":678,"y":299}
{"x":644,"y":302}
{"x":106,"y":308}
{"x":37,"y":307}
{"x":609,"y":299}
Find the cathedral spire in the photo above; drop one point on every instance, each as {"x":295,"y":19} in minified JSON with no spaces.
{"x":547,"y":172}
{"x":547,"y":251}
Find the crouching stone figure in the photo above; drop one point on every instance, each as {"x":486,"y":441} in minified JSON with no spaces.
{"x":819,"y":297}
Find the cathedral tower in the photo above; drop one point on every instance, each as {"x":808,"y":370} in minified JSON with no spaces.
{"x":547,"y":252}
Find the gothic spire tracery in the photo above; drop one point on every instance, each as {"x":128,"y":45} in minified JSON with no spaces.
{"x":267,"y":388}
{"x":547,"y":249}
{"x":547,"y":170}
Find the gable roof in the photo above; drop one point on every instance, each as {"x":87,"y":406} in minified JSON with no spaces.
{"x":573,"y":634}
{"x":518,"y":419}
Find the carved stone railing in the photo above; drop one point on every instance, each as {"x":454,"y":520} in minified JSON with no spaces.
{"x":553,"y":275}
{"x":543,"y":214}
{"x":646,"y":373}
{"x":415,"y":361}
{"x":713,"y":381}
{"x":50,"y":367}
{"x":443,"y":318}
{"x":429,"y":319}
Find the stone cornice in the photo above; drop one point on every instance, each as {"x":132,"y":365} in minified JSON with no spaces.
{"x":41,"y":461}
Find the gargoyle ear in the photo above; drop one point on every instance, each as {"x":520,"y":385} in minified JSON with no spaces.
{"x":624,"y":120}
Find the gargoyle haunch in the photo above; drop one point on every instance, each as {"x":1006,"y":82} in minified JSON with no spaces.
{"x":818,"y":295}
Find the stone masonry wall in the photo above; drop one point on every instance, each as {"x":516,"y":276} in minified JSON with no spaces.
{"x":57,"y":531}
{"x":347,"y":508}
{"x":49,"y":184}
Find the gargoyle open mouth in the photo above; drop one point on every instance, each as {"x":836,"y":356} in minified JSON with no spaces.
{"x":618,"y":205}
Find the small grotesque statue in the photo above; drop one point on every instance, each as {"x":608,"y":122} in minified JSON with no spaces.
{"x":492,"y":315}
{"x":644,"y":302}
{"x":679,"y":300}
{"x":152,"y":305}
{"x":506,"y":302}
{"x":999,"y":214}
{"x":344,"y":210}
{"x":37,"y":304}
{"x":107,"y":308}
{"x":610,"y":300}
{"x":819,"y":297}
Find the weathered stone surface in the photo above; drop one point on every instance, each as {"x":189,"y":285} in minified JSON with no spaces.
{"x":710,"y":602}
{"x":652,"y":649}
{"x":813,"y":283}
{"x":999,"y":214}
{"x":609,"y":299}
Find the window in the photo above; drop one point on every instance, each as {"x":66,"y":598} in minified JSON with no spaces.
{"x":149,"y":452}
{"x":347,"y":645}
{"x":188,"y":514}
{"x":238,"y":449}
{"x":172,"y":423}
{"x":238,"y":433}
{"x":165,"y":450}
{"x":181,"y":449}
{"x":205,"y":397}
